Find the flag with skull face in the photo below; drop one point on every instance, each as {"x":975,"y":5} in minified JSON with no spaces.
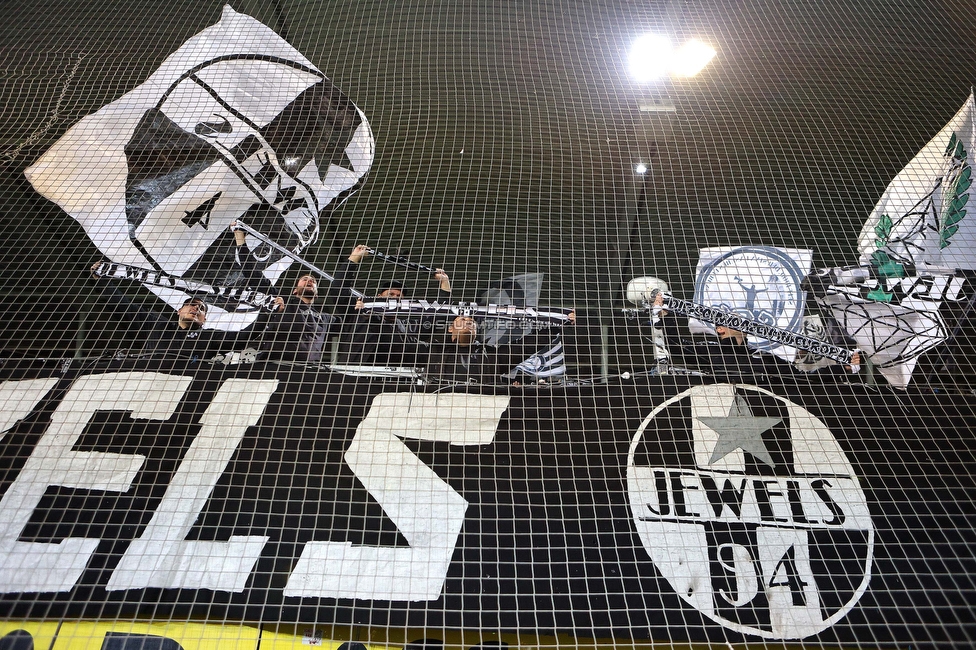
{"x":235,"y":124}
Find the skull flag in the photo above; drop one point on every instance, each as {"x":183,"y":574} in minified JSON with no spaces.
{"x":236,"y":123}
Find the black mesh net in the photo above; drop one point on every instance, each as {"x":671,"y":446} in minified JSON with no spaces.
{"x":491,"y":201}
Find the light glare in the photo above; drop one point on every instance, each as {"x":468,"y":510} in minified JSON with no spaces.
{"x":650,"y":57}
{"x":691,"y":58}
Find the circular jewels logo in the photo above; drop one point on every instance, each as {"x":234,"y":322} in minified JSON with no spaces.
{"x":749,"y":508}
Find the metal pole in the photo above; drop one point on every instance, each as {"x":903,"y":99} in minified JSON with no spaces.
{"x":291,"y":254}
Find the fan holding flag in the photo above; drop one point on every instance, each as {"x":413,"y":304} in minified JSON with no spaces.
{"x":540,"y":355}
{"x":386,"y":339}
{"x":235,"y":124}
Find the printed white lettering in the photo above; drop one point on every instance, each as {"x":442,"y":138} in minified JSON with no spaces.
{"x":786,"y":576}
{"x":802,"y":502}
{"x":161,"y":557}
{"x":39,"y":567}
{"x":737,"y":560}
{"x":427,"y":511}
{"x":790,"y":586}
{"x":19,"y":398}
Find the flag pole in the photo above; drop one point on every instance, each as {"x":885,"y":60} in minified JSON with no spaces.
{"x":240,"y":225}
{"x":400,"y":261}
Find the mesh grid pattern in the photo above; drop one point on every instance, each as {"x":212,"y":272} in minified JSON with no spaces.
{"x":505,"y":140}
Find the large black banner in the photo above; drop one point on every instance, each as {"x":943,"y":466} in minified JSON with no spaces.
{"x":657,"y":508}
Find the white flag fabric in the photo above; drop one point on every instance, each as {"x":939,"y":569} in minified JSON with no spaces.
{"x":761,"y":283}
{"x":236,"y":123}
{"x":921,"y":218}
{"x":894,"y":320}
{"x":911,"y":248}
{"x":892,"y":336}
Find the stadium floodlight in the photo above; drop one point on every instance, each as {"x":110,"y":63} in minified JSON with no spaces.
{"x":691,"y":58}
{"x":650,"y":57}
{"x":640,"y":169}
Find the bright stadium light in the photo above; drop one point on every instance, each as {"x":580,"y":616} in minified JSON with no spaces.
{"x":650,"y":57}
{"x":640,"y":168}
{"x":691,"y":58}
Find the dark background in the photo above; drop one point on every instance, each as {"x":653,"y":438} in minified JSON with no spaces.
{"x":507,"y":133}
{"x":549,"y":541}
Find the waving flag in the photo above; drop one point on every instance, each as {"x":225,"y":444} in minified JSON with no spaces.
{"x":761,"y":283}
{"x":920,"y":218}
{"x":893,"y":320}
{"x":548,"y":363}
{"x":917,"y":248}
{"x":519,"y":290}
{"x":236,"y":123}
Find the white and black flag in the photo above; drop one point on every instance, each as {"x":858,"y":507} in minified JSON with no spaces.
{"x":911,"y":293}
{"x":760,"y":283}
{"x":519,"y":290}
{"x":235,"y":124}
{"x":548,"y":362}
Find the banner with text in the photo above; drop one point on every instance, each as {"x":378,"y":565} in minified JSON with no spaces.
{"x":660,"y":509}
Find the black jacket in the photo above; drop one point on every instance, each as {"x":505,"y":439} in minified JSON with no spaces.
{"x":297,"y":333}
{"x":300,"y":331}
{"x":160,"y":334}
{"x":727,"y":359}
{"x":486,"y":364}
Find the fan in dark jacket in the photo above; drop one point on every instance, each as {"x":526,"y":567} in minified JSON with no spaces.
{"x":384,"y":339}
{"x":299,"y":330}
{"x":182,"y":337}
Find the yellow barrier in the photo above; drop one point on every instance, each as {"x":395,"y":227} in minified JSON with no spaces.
{"x":186,"y":635}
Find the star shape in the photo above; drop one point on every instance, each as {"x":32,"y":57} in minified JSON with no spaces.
{"x":740,"y":429}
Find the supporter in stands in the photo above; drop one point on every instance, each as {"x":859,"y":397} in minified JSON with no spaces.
{"x":534,"y":358}
{"x":543,"y":358}
{"x":464,"y":359}
{"x":298,"y":330}
{"x":733,"y":356}
{"x":384,"y":339}
{"x":184,"y":336}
